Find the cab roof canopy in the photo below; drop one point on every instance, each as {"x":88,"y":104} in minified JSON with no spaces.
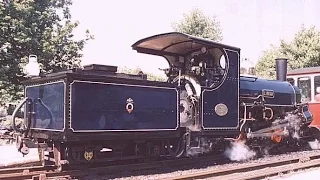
{"x":175,"y":44}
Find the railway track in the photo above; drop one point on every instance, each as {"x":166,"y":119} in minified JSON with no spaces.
{"x":21,"y":165}
{"x":40,"y":172}
{"x":256,"y":170}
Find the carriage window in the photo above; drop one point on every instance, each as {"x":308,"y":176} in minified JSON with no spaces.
{"x":291,"y":81}
{"x":304,"y":84}
{"x":317,"y":88}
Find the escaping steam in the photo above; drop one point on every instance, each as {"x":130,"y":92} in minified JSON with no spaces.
{"x":314,"y":144}
{"x":293,"y":123}
{"x":239,"y":152}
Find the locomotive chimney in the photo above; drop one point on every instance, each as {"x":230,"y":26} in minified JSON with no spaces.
{"x":281,"y":69}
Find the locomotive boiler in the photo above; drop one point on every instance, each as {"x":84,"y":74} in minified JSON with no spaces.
{"x":94,"y":113}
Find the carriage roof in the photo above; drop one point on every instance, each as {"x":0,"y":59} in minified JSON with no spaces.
{"x":307,"y":70}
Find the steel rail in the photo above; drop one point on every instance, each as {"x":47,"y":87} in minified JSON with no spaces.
{"x":254,"y":171}
{"x":40,"y":172}
{"x":20,"y":165}
{"x":274,"y":171}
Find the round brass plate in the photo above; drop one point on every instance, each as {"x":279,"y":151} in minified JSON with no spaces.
{"x":221,"y":109}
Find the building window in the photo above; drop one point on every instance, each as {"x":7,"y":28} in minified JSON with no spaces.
{"x":317,"y":88}
{"x":304,"y":83}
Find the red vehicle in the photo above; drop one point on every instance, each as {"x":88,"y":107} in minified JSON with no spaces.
{"x":308,"y":80}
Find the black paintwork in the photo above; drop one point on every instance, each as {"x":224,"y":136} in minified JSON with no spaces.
{"x":96,"y":106}
{"x":51,"y":91}
{"x":86,"y":112}
{"x":228,"y":94}
{"x":281,"y":69}
{"x":48,"y":105}
{"x":95,"y":110}
{"x":175,"y":44}
{"x":284,"y":92}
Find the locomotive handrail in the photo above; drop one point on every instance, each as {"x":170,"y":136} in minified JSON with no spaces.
{"x":14,"y":114}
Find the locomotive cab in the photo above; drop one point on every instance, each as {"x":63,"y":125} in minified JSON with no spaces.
{"x":207,"y":76}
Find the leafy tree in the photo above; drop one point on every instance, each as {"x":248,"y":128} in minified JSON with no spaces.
{"x":302,"y":51}
{"x":196,"y":23}
{"x":266,"y":65}
{"x":137,"y":70}
{"x":40,"y":27}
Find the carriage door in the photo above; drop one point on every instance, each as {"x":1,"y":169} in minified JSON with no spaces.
{"x":220,"y":97}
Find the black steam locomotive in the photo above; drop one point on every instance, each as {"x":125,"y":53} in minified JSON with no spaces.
{"x":95,"y":114}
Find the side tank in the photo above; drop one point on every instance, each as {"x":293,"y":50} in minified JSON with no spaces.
{"x":270,"y":92}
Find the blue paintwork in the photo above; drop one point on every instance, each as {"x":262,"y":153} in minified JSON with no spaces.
{"x":103,"y":107}
{"x":284,"y":92}
{"x":306,"y":112}
{"x":227,"y":94}
{"x":50,"y":113}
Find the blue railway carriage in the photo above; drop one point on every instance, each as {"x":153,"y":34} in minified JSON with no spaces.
{"x":94,"y":113}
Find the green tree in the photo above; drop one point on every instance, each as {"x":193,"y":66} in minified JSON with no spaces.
{"x":266,"y":65}
{"x":196,"y":23}
{"x":137,"y":70}
{"x":302,"y":51}
{"x":40,"y":27}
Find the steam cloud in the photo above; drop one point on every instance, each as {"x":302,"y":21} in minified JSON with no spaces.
{"x":239,"y":152}
{"x":293,"y":122}
{"x":314,"y":144}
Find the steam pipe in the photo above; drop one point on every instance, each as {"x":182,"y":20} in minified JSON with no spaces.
{"x":281,"y":69}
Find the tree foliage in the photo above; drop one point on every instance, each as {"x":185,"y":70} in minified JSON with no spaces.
{"x":40,"y":27}
{"x":196,"y":23}
{"x":302,"y":51}
{"x":267,"y":64}
{"x":137,"y":70}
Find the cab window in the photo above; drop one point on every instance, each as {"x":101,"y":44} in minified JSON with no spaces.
{"x":317,"y":88}
{"x":304,"y":84}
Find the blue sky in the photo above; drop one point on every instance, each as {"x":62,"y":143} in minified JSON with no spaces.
{"x":248,"y":24}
